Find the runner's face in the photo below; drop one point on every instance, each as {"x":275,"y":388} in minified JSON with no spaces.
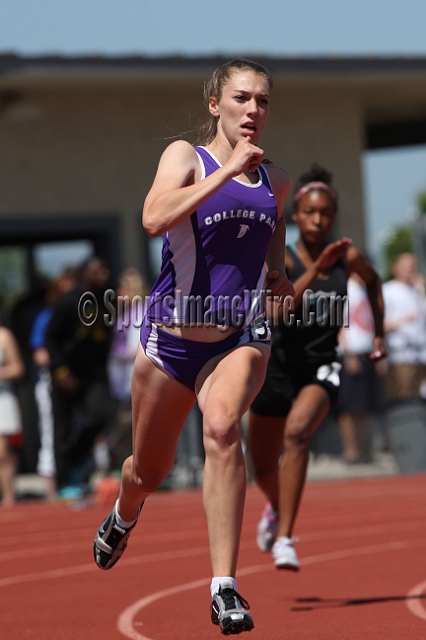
{"x":315,"y":216}
{"x":243,"y":108}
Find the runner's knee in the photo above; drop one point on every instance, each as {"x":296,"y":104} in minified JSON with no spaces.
{"x":297,"y":434}
{"x":146,"y":479}
{"x":221,"y":430}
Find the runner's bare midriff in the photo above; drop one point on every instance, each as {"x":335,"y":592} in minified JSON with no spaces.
{"x":203,"y":333}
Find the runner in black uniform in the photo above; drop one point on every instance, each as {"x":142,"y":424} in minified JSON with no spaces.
{"x":302,"y":379}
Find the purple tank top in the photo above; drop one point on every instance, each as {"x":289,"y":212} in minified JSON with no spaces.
{"x":213,"y":262}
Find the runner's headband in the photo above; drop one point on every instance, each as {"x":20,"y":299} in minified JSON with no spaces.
{"x":311,"y":186}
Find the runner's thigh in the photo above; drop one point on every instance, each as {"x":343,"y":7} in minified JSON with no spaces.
{"x":160,"y":406}
{"x":234,"y":381}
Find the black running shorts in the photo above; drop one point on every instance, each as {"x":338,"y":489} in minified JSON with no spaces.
{"x":284,"y":381}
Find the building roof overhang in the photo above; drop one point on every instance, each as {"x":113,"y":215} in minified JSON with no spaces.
{"x":61,"y":69}
{"x":391,"y":89}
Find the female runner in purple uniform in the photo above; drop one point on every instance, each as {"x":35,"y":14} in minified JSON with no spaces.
{"x":204,"y":337}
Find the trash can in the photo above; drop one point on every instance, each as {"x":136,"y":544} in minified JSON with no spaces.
{"x":406,"y":425}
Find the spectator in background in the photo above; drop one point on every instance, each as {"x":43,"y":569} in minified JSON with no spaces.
{"x":11,"y":368}
{"x":130,"y":309}
{"x":5,"y":320}
{"x":131,"y":292}
{"x":359,"y":392}
{"x":43,"y":386}
{"x":22,"y":318}
{"x":78,"y":343}
{"x":405,"y":328}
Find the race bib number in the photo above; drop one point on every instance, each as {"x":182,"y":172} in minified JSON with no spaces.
{"x":260,"y":331}
{"x":330,"y":372}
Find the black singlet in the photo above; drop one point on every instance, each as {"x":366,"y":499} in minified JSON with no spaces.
{"x":310,"y":336}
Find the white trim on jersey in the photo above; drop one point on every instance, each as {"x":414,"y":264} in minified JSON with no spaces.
{"x":151,"y":349}
{"x":257,"y":300}
{"x":258,"y":184}
{"x":181,"y":245}
{"x":203,"y":168}
{"x":263,"y":171}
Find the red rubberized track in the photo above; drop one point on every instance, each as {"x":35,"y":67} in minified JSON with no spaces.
{"x":362,"y":548}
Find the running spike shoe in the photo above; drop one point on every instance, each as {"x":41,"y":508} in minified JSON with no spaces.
{"x":267,"y":528}
{"x":229,"y":610}
{"x":110,"y":541}
{"x":284,"y":554}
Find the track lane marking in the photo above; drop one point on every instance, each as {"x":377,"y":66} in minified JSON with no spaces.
{"x":142,"y":539}
{"x":414,"y":605}
{"x":125,"y":620}
{"x":87,"y":568}
{"x":174,"y":555}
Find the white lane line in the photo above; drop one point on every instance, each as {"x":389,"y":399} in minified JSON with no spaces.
{"x":125,"y":622}
{"x":60,"y":549}
{"x":86,"y":568}
{"x":387,"y":528}
{"x":166,"y":556}
{"x":413,"y":600}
